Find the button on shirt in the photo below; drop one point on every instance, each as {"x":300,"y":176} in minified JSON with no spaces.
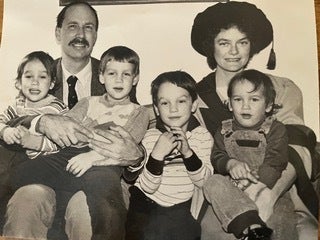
{"x":83,"y":85}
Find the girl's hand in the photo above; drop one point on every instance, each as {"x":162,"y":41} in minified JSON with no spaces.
{"x":164,"y":146}
{"x":240,"y":170}
{"x":183,"y":145}
{"x":12,"y":135}
{"x":79,"y":164}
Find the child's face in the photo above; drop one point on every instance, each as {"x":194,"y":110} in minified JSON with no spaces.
{"x":249,"y":108}
{"x":174,"y":106}
{"x":118,"y":79}
{"x":35,"y":81}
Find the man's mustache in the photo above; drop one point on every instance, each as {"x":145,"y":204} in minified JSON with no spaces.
{"x":79,"y":41}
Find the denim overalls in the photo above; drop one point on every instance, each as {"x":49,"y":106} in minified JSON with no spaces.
{"x":246,"y":145}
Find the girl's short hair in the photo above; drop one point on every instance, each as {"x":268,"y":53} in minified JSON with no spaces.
{"x":258,"y":80}
{"x":178,"y":78}
{"x":44,"y":58}
{"x":120,"y":54}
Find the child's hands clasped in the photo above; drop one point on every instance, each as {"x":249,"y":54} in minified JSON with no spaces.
{"x":12,"y":135}
{"x":168,"y":141}
{"x":164,"y":146}
{"x":240,"y":170}
{"x":79,"y":164}
{"x":183,"y":145}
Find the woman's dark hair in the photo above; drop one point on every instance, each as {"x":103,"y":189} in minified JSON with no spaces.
{"x":62,"y":13}
{"x":246,"y":17}
{"x":178,"y":78}
{"x":258,"y":80}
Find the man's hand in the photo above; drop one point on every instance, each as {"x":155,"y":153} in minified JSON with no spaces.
{"x":63,"y":130}
{"x":119,"y":146}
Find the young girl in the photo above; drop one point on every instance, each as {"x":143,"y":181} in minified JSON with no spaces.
{"x":80,"y":168}
{"x":167,"y":196}
{"x":35,"y":78}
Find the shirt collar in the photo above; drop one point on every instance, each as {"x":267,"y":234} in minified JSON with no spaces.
{"x":192,"y":124}
{"x":82,"y":75}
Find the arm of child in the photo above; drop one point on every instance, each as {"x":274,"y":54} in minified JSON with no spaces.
{"x":196,"y":160}
{"x":136,"y":126}
{"x":157,"y":147}
{"x":11,"y":135}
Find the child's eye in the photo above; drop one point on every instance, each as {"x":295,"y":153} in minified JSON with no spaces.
{"x":182,"y":101}
{"x":28,"y":76}
{"x":110,"y":73}
{"x":44,"y":77}
{"x":255,"y":99}
{"x":163,"y":103}
{"x":127,"y":74}
{"x":236,"y":99}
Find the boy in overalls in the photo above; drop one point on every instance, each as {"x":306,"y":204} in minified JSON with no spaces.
{"x":250,"y":153}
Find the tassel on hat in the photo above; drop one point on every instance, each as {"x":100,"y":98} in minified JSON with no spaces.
{"x":271,"y":65}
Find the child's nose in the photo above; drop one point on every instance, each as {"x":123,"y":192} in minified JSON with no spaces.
{"x":35,"y":81}
{"x":246,"y":105}
{"x":119,"y":78}
{"x":173,"y":108}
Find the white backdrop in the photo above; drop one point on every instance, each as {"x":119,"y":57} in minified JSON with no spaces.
{"x":160,"y":33}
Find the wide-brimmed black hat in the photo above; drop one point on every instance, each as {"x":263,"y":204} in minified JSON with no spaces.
{"x":246,"y":16}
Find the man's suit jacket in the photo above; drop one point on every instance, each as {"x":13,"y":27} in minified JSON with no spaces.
{"x":97,"y":88}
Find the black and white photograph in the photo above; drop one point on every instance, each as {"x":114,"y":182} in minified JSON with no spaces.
{"x":159,"y":120}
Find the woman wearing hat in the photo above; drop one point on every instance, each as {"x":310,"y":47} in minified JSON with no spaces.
{"x":229,"y":35}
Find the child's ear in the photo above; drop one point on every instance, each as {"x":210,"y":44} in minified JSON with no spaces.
{"x":101,"y":78}
{"x":194,"y":106}
{"x":52,"y":84}
{"x":229,"y":105}
{"x":269,"y":108}
{"x":135,"y":80}
{"x":18,"y":84}
{"x":156,"y":110}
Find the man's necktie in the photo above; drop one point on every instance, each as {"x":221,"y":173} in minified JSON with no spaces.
{"x":72,"y":96}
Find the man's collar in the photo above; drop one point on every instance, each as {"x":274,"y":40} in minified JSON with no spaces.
{"x":80,"y":75}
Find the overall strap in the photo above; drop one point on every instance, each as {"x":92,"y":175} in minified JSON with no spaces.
{"x":226,"y":129}
{"x":266,"y":125}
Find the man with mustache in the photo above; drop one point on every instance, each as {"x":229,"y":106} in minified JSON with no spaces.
{"x":31,"y":210}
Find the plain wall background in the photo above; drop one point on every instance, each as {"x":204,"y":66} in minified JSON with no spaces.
{"x":160,"y":34}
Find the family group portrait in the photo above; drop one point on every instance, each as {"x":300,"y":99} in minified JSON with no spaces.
{"x":159,"y":120}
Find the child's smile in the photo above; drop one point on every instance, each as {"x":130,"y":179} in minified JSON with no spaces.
{"x":174,"y":106}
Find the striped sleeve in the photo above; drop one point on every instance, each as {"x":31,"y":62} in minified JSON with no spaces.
{"x":201,"y":142}
{"x":150,"y":182}
{"x":7,"y":115}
